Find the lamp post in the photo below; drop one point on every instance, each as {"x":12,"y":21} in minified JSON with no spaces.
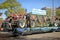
{"x":53,"y":12}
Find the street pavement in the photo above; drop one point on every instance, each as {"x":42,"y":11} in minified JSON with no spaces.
{"x":41,"y":36}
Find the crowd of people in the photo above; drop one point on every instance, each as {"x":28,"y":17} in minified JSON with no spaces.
{"x":26,"y":21}
{"x":54,"y":21}
{"x":16,"y":21}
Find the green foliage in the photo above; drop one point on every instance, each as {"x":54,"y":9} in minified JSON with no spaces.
{"x":12,"y":6}
{"x":22,"y":11}
{"x":58,"y":12}
{"x":1,"y":18}
{"x":7,"y":13}
{"x":10,"y":3}
{"x":48,"y":11}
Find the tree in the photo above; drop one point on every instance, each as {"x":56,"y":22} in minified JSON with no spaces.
{"x":48,"y":11}
{"x":58,"y":11}
{"x":11,"y":5}
{"x":22,"y":11}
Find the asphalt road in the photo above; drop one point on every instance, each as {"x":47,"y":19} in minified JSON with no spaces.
{"x":41,"y":36}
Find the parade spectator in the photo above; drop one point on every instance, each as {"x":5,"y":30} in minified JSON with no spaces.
{"x":28,"y":21}
{"x":5,"y":24}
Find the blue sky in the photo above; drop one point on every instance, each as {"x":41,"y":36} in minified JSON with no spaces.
{"x":38,"y":4}
{"x":30,"y":4}
{"x":3,"y":11}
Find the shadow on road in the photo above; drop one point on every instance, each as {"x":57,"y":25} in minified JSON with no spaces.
{"x":12,"y":37}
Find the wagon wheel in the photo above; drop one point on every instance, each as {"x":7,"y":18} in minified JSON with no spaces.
{"x":22,"y":24}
